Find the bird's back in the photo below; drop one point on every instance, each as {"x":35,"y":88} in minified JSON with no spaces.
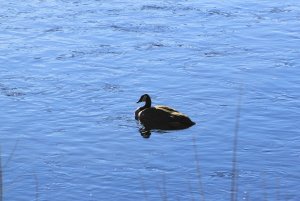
{"x":163,"y":117}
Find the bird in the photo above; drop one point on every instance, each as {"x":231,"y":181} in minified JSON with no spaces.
{"x":160,"y":117}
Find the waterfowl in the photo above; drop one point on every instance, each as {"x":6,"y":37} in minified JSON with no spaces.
{"x":161,"y":117}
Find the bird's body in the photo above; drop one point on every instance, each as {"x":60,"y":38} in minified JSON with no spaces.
{"x":161,"y":117}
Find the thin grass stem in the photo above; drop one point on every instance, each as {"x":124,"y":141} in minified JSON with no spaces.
{"x":1,"y":177}
{"x":198,"y":169}
{"x":143,"y":187}
{"x":234,"y":186}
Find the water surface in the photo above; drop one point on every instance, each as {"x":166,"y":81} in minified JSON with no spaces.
{"x":72,"y":71}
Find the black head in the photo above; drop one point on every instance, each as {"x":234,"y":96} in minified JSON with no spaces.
{"x":144,"y":98}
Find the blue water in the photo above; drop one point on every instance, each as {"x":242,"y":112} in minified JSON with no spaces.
{"x":71,"y":72}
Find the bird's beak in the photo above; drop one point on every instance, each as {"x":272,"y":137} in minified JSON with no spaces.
{"x":139,"y":101}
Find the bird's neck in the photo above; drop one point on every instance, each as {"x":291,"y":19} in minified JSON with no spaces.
{"x":148,"y":103}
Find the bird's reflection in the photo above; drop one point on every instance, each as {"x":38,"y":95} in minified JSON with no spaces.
{"x":146,"y":133}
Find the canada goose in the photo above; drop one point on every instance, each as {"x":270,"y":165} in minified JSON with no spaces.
{"x":160,"y":117}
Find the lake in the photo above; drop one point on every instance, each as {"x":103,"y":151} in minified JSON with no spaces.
{"x":72,"y":71}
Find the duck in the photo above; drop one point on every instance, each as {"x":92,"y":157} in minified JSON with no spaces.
{"x":160,"y":117}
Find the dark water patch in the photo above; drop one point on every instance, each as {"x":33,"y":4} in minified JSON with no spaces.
{"x":151,"y":46}
{"x":226,"y":50}
{"x":11,"y":91}
{"x":216,"y":53}
{"x":174,"y":8}
{"x":168,"y":44}
{"x":156,"y":7}
{"x":276,"y":14}
{"x":218,"y":12}
{"x":213,"y":54}
{"x":285,"y":64}
{"x":17,"y":28}
{"x":31,"y":85}
{"x":222,"y":174}
{"x":54,"y":29}
{"x":112,"y":88}
{"x":283,"y":97}
{"x":258,"y":17}
{"x":279,"y":10}
{"x":96,"y":51}
{"x":141,"y":28}
{"x":113,"y":11}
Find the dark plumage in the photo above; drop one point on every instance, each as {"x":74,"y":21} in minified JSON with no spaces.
{"x":161,"y":117}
